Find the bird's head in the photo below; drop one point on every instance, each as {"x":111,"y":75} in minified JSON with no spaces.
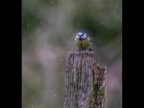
{"x":81,"y":36}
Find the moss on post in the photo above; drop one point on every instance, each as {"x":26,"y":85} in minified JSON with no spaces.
{"x":84,"y":81}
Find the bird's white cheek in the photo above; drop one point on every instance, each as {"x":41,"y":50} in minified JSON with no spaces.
{"x":77,"y":37}
{"x":84,"y":37}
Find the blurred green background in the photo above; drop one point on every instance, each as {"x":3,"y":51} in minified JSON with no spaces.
{"x":48,"y":31}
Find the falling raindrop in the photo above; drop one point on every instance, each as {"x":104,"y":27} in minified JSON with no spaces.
{"x":27,"y":27}
{"x":55,"y":95}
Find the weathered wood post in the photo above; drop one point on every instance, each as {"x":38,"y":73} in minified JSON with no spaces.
{"x":85,"y":83}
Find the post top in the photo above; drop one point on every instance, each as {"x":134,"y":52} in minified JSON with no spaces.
{"x":81,"y":52}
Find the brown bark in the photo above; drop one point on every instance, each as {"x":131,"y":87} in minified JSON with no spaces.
{"x":84,"y":81}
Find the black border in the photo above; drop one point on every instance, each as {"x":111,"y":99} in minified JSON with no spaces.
{"x":132,"y":54}
{"x":11,"y":54}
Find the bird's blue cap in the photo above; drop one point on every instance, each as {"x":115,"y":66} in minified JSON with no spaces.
{"x":81,"y":33}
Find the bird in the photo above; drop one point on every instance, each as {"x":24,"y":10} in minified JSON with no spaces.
{"x":83,"y":41}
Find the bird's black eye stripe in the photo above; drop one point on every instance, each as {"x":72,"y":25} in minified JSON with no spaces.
{"x":82,"y":34}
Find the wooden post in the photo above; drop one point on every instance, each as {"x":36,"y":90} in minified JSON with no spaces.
{"x":85,"y":83}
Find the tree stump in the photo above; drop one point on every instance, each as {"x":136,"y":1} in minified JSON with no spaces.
{"x":85,"y":83}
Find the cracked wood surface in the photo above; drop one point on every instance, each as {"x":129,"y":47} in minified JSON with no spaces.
{"x":85,"y":82}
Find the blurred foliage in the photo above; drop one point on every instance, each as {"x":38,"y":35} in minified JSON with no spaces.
{"x":29,"y":21}
{"x":100,"y":22}
{"x":48,"y":30}
{"x":100,"y":18}
{"x":50,"y":3}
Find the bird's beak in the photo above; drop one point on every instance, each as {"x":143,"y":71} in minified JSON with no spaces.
{"x":80,"y":38}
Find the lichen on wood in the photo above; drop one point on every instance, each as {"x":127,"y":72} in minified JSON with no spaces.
{"x":85,"y":82}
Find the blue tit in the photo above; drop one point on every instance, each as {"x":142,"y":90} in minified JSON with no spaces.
{"x":82,"y":41}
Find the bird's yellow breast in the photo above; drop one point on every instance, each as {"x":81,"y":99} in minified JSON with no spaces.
{"x":83,"y":44}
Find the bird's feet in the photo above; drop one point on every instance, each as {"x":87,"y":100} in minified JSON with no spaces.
{"x":90,"y":49}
